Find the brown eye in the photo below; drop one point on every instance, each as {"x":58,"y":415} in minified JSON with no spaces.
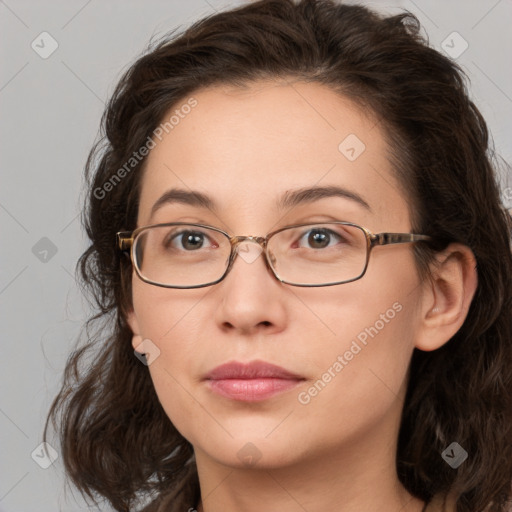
{"x":319,"y":238}
{"x":186,"y":240}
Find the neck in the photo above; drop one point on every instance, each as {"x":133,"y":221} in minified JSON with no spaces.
{"x":358,"y":479}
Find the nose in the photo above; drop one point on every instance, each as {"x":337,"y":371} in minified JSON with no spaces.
{"x":249,"y":249}
{"x":251,"y":300}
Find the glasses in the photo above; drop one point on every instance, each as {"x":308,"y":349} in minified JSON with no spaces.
{"x":183,"y":255}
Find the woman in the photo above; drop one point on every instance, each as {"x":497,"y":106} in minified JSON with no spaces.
{"x":303,"y":268}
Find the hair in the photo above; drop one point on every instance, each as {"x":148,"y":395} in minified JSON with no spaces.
{"x":117,"y":442}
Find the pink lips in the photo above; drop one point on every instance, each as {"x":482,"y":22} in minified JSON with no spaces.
{"x":251,"y":382}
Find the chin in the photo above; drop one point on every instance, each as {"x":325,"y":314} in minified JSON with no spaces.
{"x":253,"y":454}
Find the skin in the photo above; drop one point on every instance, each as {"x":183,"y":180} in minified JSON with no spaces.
{"x":245,"y":147}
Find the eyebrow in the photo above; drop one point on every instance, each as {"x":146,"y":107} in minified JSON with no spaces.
{"x":311,"y":194}
{"x":191,"y":198}
{"x":289,"y":199}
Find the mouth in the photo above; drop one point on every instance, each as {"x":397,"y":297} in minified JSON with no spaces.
{"x":255,"y":381}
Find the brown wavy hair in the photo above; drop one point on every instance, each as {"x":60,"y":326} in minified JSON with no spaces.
{"x":117,"y":443}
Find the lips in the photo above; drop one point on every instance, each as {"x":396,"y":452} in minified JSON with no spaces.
{"x":254,"y":381}
{"x":252,"y":370}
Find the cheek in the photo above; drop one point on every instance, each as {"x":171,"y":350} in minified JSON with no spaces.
{"x":162,"y":313}
{"x":361,"y":370}
{"x":368,"y":331}
{"x":169,"y":319}
{"x":364,"y":331}
{"x":384,"y":299}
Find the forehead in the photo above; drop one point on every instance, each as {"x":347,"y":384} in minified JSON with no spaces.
{"x":246,"y":147}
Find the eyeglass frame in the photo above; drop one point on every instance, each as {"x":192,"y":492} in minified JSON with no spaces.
{"x":126,"y":242}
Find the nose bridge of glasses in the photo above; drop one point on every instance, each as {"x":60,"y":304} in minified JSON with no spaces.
{"x":248,"y":247}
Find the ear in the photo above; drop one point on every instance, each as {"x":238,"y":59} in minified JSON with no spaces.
{"x":132,"y":321}
{"x":447,"y":296}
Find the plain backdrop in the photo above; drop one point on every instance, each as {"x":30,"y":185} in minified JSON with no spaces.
{"x":50,"y":107}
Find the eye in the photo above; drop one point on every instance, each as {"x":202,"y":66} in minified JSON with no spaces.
{"x":320,"y":238}
{"x":187,"y":240}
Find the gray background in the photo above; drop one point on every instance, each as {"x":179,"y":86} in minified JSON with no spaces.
{"x":51,"y":110}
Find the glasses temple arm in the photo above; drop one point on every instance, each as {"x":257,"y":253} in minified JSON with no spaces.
{"x":124,"y":240}
{"x":398,"y":238}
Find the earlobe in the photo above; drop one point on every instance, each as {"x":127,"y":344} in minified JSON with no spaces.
{"x":137,"y":343}
{"x":131,"y":319}
{"x":447,"y":297}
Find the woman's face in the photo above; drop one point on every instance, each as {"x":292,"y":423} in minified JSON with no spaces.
{"x":350,"y":344}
